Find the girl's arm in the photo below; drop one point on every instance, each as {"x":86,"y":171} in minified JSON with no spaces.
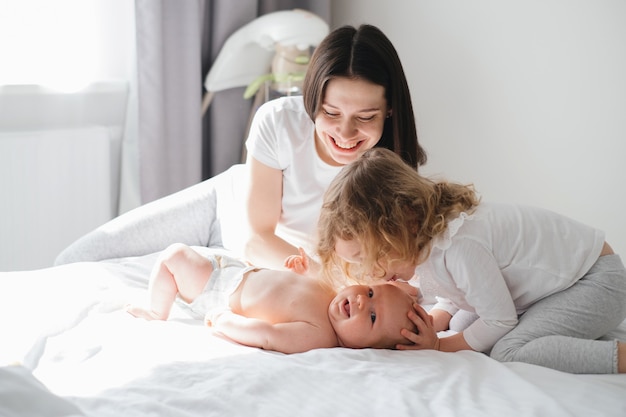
{"x":292,"y":337}
{"x":263,"y":206}
{"x":478,"y":277}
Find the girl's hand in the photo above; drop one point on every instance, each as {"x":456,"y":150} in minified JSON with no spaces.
{"x":298,"y":263}
{"x":426,"y":336}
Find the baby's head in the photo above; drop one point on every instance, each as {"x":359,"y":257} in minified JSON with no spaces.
{"x":371,"y":316}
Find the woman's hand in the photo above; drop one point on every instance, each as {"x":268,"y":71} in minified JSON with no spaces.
{"x":426,"y":336}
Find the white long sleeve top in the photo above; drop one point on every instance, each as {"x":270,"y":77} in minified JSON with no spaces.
{"x":500,"y":260}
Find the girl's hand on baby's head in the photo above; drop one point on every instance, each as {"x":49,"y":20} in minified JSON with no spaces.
{"x":426,"y":336}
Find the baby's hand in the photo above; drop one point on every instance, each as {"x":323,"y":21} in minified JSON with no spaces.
{"x":298,"y":263}
{"x":212,"y":315}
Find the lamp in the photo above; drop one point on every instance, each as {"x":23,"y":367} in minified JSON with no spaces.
{"x":247,"y":55}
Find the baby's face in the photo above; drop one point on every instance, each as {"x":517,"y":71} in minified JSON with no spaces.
{"x":370,"y":316}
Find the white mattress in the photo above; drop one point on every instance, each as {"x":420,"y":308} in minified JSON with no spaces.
{"x":67,"y":326}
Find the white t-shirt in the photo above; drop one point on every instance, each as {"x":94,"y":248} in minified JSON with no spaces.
{"x":282,"y":136}
{"x":500,"y":260}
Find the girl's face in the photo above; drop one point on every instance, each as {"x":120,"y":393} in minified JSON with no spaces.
{"x":351,"y":252}
{"x":350,"y":121}
{"x":370,"y":316}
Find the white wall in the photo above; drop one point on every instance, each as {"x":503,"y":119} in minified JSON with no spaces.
{"x":526,"y":99}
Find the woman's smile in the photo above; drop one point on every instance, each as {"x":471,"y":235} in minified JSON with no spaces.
{"x":351,"y":119}
{"x":345,"y":145}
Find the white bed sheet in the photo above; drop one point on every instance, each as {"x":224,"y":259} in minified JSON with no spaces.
{"x":68,"y":326}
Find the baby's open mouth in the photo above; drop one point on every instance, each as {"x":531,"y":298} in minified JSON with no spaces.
{"x":346,"y":307}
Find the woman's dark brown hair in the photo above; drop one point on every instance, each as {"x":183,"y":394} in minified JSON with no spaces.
{"x":366,"y":53}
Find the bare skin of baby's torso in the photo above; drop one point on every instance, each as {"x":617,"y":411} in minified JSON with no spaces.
{"x":282,"y":297}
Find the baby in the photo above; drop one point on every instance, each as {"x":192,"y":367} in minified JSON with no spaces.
{"x":276,"y":310}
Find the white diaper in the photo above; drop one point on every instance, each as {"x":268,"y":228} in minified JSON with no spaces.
{"x":226,"y":277}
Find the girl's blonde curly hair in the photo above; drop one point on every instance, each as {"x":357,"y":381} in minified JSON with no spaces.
{"x":388,"y":208}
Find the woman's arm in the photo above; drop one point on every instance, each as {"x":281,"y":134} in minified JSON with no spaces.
{"x":263,"y":206}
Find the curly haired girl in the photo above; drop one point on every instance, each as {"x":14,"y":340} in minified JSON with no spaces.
{"x":545,"y":287}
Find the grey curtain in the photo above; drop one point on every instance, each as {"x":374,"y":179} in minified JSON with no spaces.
{"x":176,"y":43}
{"x":168,"y":72}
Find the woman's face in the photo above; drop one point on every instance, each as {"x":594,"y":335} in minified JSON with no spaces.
{"x":350,"y":121}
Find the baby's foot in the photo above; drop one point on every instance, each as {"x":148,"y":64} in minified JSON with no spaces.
{"x":142,"y":313}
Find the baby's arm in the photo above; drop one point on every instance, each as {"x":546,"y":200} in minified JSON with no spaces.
{"x":292,"y":337}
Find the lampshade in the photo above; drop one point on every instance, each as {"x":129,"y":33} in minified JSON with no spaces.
{"x":247,"y":53}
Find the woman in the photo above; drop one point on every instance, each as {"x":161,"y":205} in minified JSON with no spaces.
{"x":355,"y":97}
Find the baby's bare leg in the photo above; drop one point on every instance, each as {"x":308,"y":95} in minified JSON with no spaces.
{"x":180,"y":270}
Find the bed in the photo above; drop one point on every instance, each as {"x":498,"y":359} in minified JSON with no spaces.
{"x":69,"y":348}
